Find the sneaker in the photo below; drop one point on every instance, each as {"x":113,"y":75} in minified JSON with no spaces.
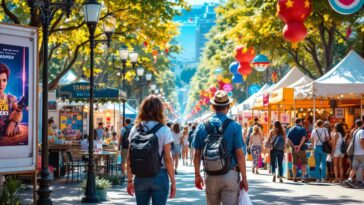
{"x":304,"y":181}
{"x":349,"y":183}
{"x":274,"y":178}
{"x":323,"y":181}
{"x":295,"y":180}
{"x":280,"y":180}
{"x":318,"y":180}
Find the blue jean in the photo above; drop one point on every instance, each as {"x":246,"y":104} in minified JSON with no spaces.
{"x":276,"y":156}
{"x":320,"y":160}
{"x":156,"y":187}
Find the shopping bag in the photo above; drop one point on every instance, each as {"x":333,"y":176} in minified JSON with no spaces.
{"x":329,"y":158}
{"x":250,"y":157}
{"x":244,"y":198}
{"x":260,"y":162}
{"x":311,"y":160}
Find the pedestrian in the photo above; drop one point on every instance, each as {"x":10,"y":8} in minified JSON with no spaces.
{"x":124,"y":144}
{"x":296,"y":139}
{"x":245,"y":131}
{"x":358,"y":154}
{"x":190,"y":139}
{"x":319,"y":135}
{"x":177,"y":144}
{"x":100,"y":131}
{"x":185,"y":146}
{"x":277,"y":137}
{"x":154,"y":187}
{"x":222,"y":169}
{"x":255,"y":145}
{"x":338,"y":156}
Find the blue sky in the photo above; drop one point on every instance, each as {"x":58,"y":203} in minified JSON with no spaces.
{"x":201,"y":1}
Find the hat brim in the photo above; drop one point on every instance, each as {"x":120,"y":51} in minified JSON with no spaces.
{"x":212,"y":101}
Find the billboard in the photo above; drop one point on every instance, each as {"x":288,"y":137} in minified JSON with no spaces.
{"x":18,"y":91}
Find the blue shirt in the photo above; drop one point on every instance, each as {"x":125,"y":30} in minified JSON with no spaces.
{"x":123,"y":130}
{"x":100,"y":133}
{"x":232,"y":135}
{"x":295,"y":134}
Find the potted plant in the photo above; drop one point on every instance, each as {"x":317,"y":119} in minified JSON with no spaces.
{"x":8,"y":194}
{"x":102,"y":185}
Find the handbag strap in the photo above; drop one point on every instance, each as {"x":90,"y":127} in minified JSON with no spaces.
{"x":353,"y":140}
{"x":319,"y":136}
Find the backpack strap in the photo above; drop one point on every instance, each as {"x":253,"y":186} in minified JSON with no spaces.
{"x":156,"y":128}
{"x":222,"y":128}
{"x":225,"y":124}
{"x":209,"y":127}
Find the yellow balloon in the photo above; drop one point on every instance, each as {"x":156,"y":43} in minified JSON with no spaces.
{"x":226,"y":80}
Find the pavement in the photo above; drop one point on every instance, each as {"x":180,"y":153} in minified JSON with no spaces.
{"x":261,"y":190}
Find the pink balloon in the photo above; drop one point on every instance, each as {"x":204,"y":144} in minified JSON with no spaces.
{"x":228,"y":87}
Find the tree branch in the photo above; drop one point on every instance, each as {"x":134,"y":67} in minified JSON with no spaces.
{"x":55,"y":23}
{"x":51,"y":51}
{"x":10,"y":14}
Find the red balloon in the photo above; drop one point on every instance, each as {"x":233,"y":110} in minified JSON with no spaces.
{"x":243,"y":54}
{"x":245,"y":69}
{"x":212,"y":89}
{"x":293,"y":10}
{"x":294,"y":32}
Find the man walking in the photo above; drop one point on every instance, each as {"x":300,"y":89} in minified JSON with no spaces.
{"x":358,"y":155}
{"x":223,"y":171}
{"x":296,"y":138}
{"x":124,"y":144}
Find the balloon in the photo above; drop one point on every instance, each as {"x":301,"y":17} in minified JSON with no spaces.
{"x":243,"y":54}
{"x":245,"y":69}
{"x":218,"y":71}
{"x":219,"y":77}
{"x":260,"y":63}
{"x":228,"y":87}
{"x":294,"y":10}
{"x":226,"y":80}
{"x":212,"y":89}
{"x":294,"y":31}
{"x":238,"y":79}
{"x":234,"y":67}
{"x":230,"y":94}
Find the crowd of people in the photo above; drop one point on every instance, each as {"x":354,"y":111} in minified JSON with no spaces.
{"x":151,"y":150}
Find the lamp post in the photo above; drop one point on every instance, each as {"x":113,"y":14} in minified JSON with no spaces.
{"x":47,"y":10}
{"x":91,"y":10}
{"x":124,"y":54}
{"x":143,"y":81}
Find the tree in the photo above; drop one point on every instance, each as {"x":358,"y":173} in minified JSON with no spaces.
{"x":138,"y":21}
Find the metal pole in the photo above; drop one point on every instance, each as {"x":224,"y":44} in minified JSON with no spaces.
{"x":90,"y":192}
{"x":124,"y":73}
{"x":361,"y":107}
{"x":314,"y":109}
{"x":44,"y":191}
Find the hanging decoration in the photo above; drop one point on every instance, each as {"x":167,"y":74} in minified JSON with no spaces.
{"x":346,"y":7}
{"x":260,"y":63}
{"x":166,"y":48}
{"x":218,"y":71}
{"x":155,"y":55}
{"x":254,"y":88}
{"x":293,"y":13}
{"x":234,"y":67}
{"x":228,"y":87}
{"x":274,"y":77}
{"x":221,"y":85}
{"x":244,"y":56}
{"x":238,"y":79}
{"x":145,"y":43}
{"x":213,"y":89}
{"x":226,"y":80}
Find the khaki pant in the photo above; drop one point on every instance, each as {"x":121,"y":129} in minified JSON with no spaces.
{"x":222,"y":189}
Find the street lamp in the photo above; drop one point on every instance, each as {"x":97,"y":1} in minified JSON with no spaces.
{"x":47,"y":11}
{"x":124,"y":54}
{"x":143,"y":81}
{"x":91,"y":10}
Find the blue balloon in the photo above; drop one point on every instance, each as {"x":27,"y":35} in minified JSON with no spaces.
{"x":230,"y":94}
{"x":238,"y":79}
{"x":234,"y":67}
{"x":253,"y":88}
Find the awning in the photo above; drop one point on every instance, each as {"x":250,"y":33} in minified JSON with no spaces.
{"x":80,"y":91}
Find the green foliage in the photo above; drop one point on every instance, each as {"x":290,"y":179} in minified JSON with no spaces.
{"x":101,"y":184}
{"x":113,"y":179}
{"x":255,"y":23}
{"x":9,"y":192}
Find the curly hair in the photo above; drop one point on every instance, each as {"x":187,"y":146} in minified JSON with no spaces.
{"x":4,"y":69}
{"x":151,"y":109}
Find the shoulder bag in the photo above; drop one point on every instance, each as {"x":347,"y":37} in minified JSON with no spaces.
{"x":350,"y":150}
{"x":326,"y":147}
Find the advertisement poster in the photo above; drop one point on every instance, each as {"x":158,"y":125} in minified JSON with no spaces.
{"x":339,"y":113}
{"x":18,"y":48}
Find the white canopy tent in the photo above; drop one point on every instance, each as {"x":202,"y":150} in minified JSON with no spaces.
{"x":346,"y":80}
{"x":248,"y":103}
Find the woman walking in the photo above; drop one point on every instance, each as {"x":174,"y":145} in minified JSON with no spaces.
{"x":277,"y":137}
{"x":256,"y":144}
{"x":185,"y":146}
{"x":177,"y":144}
{"x":319,"y":136}
{"x":190,"y":139}
{"x":156,"y":188}
{"x":336,"y":153}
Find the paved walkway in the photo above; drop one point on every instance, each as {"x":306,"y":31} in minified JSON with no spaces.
{"x":262,"y":191}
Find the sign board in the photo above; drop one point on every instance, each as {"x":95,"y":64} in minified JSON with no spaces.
{"x":339,"y":113}
{"x":346,"y":7}
{"x":18,"y":98}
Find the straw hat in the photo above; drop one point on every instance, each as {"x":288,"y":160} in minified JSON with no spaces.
{"x":221,"y":98}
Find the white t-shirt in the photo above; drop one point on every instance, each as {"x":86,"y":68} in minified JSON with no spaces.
{"x":322,"y":132}
{"x":177,"y":137}
{"x":164,"y":135}
{"x":358,"y":149}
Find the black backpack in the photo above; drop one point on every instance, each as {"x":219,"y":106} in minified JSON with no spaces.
{"x":215,"y":154}
{"x":125,"y":138}
{"x":145,"y":160}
